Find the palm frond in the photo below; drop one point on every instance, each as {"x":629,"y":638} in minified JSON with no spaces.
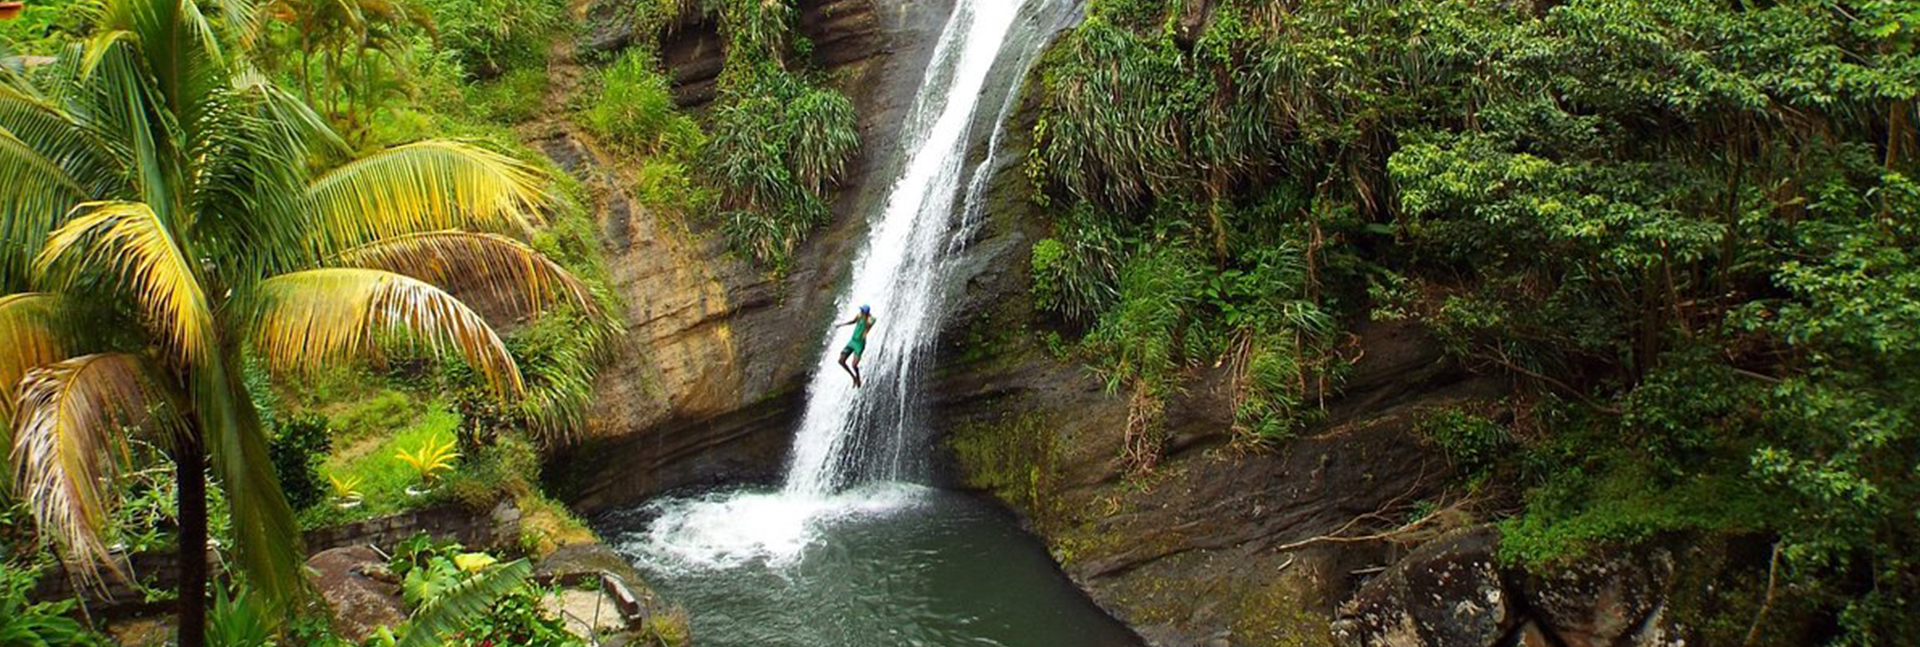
{"x":34,"y":332}
{"x":420,"y":187}
{"x":127,"y":239}
{"x":86,"y":157}
{"x":306,"y":320}
{"x":34,"y":194}
{"x":502,"y":268}
{"x":288,"y":116}
{"x":70,"y":441}
{"x":461,"y":604}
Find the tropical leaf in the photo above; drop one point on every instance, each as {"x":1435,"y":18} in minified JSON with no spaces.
{"x":35,"y":332}
{"x":345,"y":487}
{"x":430,"y":458}
{"x":426,"y":186}
{"x":309,"y":319}
{"x":35,"y":192}
{"x":80,"y":151}
{"x":503,"y":269}
{"x":459,"y":605}
{"x":70,"y":440}
{"x":241,"y":619}
{"x":127,"y":239}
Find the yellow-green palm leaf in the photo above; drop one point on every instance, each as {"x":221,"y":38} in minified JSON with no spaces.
{"x":500,"y":268}
{"x":420,"y":187}
{"x":305,"y":320}
{"x":70,"y":441}
{"x":35,"y":333}
{"x":127,"y":239}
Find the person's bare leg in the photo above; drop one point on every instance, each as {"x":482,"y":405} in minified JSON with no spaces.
{"x":851,"y":372}
{"x":856,"y":371}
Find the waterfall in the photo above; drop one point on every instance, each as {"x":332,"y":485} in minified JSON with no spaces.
{"x":855,"y":448}
{"x":844,"y":429}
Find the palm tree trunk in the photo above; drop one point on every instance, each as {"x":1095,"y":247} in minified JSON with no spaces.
{"x":191,"y":477}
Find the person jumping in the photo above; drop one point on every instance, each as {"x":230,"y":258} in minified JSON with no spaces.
{"x":862,"y":323}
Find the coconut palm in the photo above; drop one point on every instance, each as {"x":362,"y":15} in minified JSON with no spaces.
{"x":165,"y":212}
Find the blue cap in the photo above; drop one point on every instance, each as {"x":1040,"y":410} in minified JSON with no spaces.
{"x":866,"y":309}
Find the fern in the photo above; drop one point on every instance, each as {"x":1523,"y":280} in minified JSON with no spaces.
{"x":459,"y":605}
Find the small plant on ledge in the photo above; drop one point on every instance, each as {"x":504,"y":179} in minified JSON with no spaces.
{"x":430,"y":461}
{"x":346,"y":491}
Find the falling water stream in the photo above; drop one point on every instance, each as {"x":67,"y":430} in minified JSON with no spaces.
{"x":853,"y":549}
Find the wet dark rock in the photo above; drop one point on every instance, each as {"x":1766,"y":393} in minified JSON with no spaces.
{"x":1529,"y":634}
{"x":362,"y":595}
{"x":1448,"y":593}
{"x":609,"y":27}
{"x":1600,"y":602}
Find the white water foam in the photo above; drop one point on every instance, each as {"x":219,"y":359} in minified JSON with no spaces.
{"x":852,"y":448}
{"x":730,"y":529}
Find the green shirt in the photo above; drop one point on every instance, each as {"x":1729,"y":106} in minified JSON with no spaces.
{"x":860,"y":326}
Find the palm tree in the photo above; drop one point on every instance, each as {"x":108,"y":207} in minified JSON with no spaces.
{"x":164,"y":213}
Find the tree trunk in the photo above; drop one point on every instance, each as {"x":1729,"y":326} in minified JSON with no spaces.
{"x":191,"y":476}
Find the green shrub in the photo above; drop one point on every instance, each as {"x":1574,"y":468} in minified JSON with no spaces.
{"x":513,"y":97}
{"x":489,"y":36}
{"x":383,"y":477}
{"x":42,"y":28}
{"x":1473,"y":444}
{"x":669,"y":185}
{"x":297,"y":451}
{"x":1140,"y":339}
{"x":29,"y":624}
{"x":635,"y":107}
{"x":777,"y":143}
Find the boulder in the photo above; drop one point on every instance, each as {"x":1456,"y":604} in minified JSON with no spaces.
{"x":1529,"y":635}
{"x":358,"y":589}
{"x":1600,"y":602}
{"x":1447,"y":593}
{"x":571,"y":563}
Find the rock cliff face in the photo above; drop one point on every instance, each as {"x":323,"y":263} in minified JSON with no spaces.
{"x":713,"y":371}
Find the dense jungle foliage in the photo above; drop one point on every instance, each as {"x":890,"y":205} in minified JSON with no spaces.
{"x":761,"y":161}
{"x":400,"y":294}
{"x":1685,"y":228}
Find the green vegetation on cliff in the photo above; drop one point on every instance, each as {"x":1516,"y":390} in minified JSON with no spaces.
{"x":1683,"y":227}
{"x":774,"y":144}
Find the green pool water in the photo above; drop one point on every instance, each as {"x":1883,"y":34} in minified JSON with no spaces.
{"x":886,"y":565}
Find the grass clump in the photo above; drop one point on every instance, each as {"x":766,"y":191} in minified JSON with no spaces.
{"x":634,"y":107}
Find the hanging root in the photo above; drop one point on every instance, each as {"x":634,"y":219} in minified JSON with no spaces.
{"x":1426,"y":527}
{"x":1145,"y":436}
